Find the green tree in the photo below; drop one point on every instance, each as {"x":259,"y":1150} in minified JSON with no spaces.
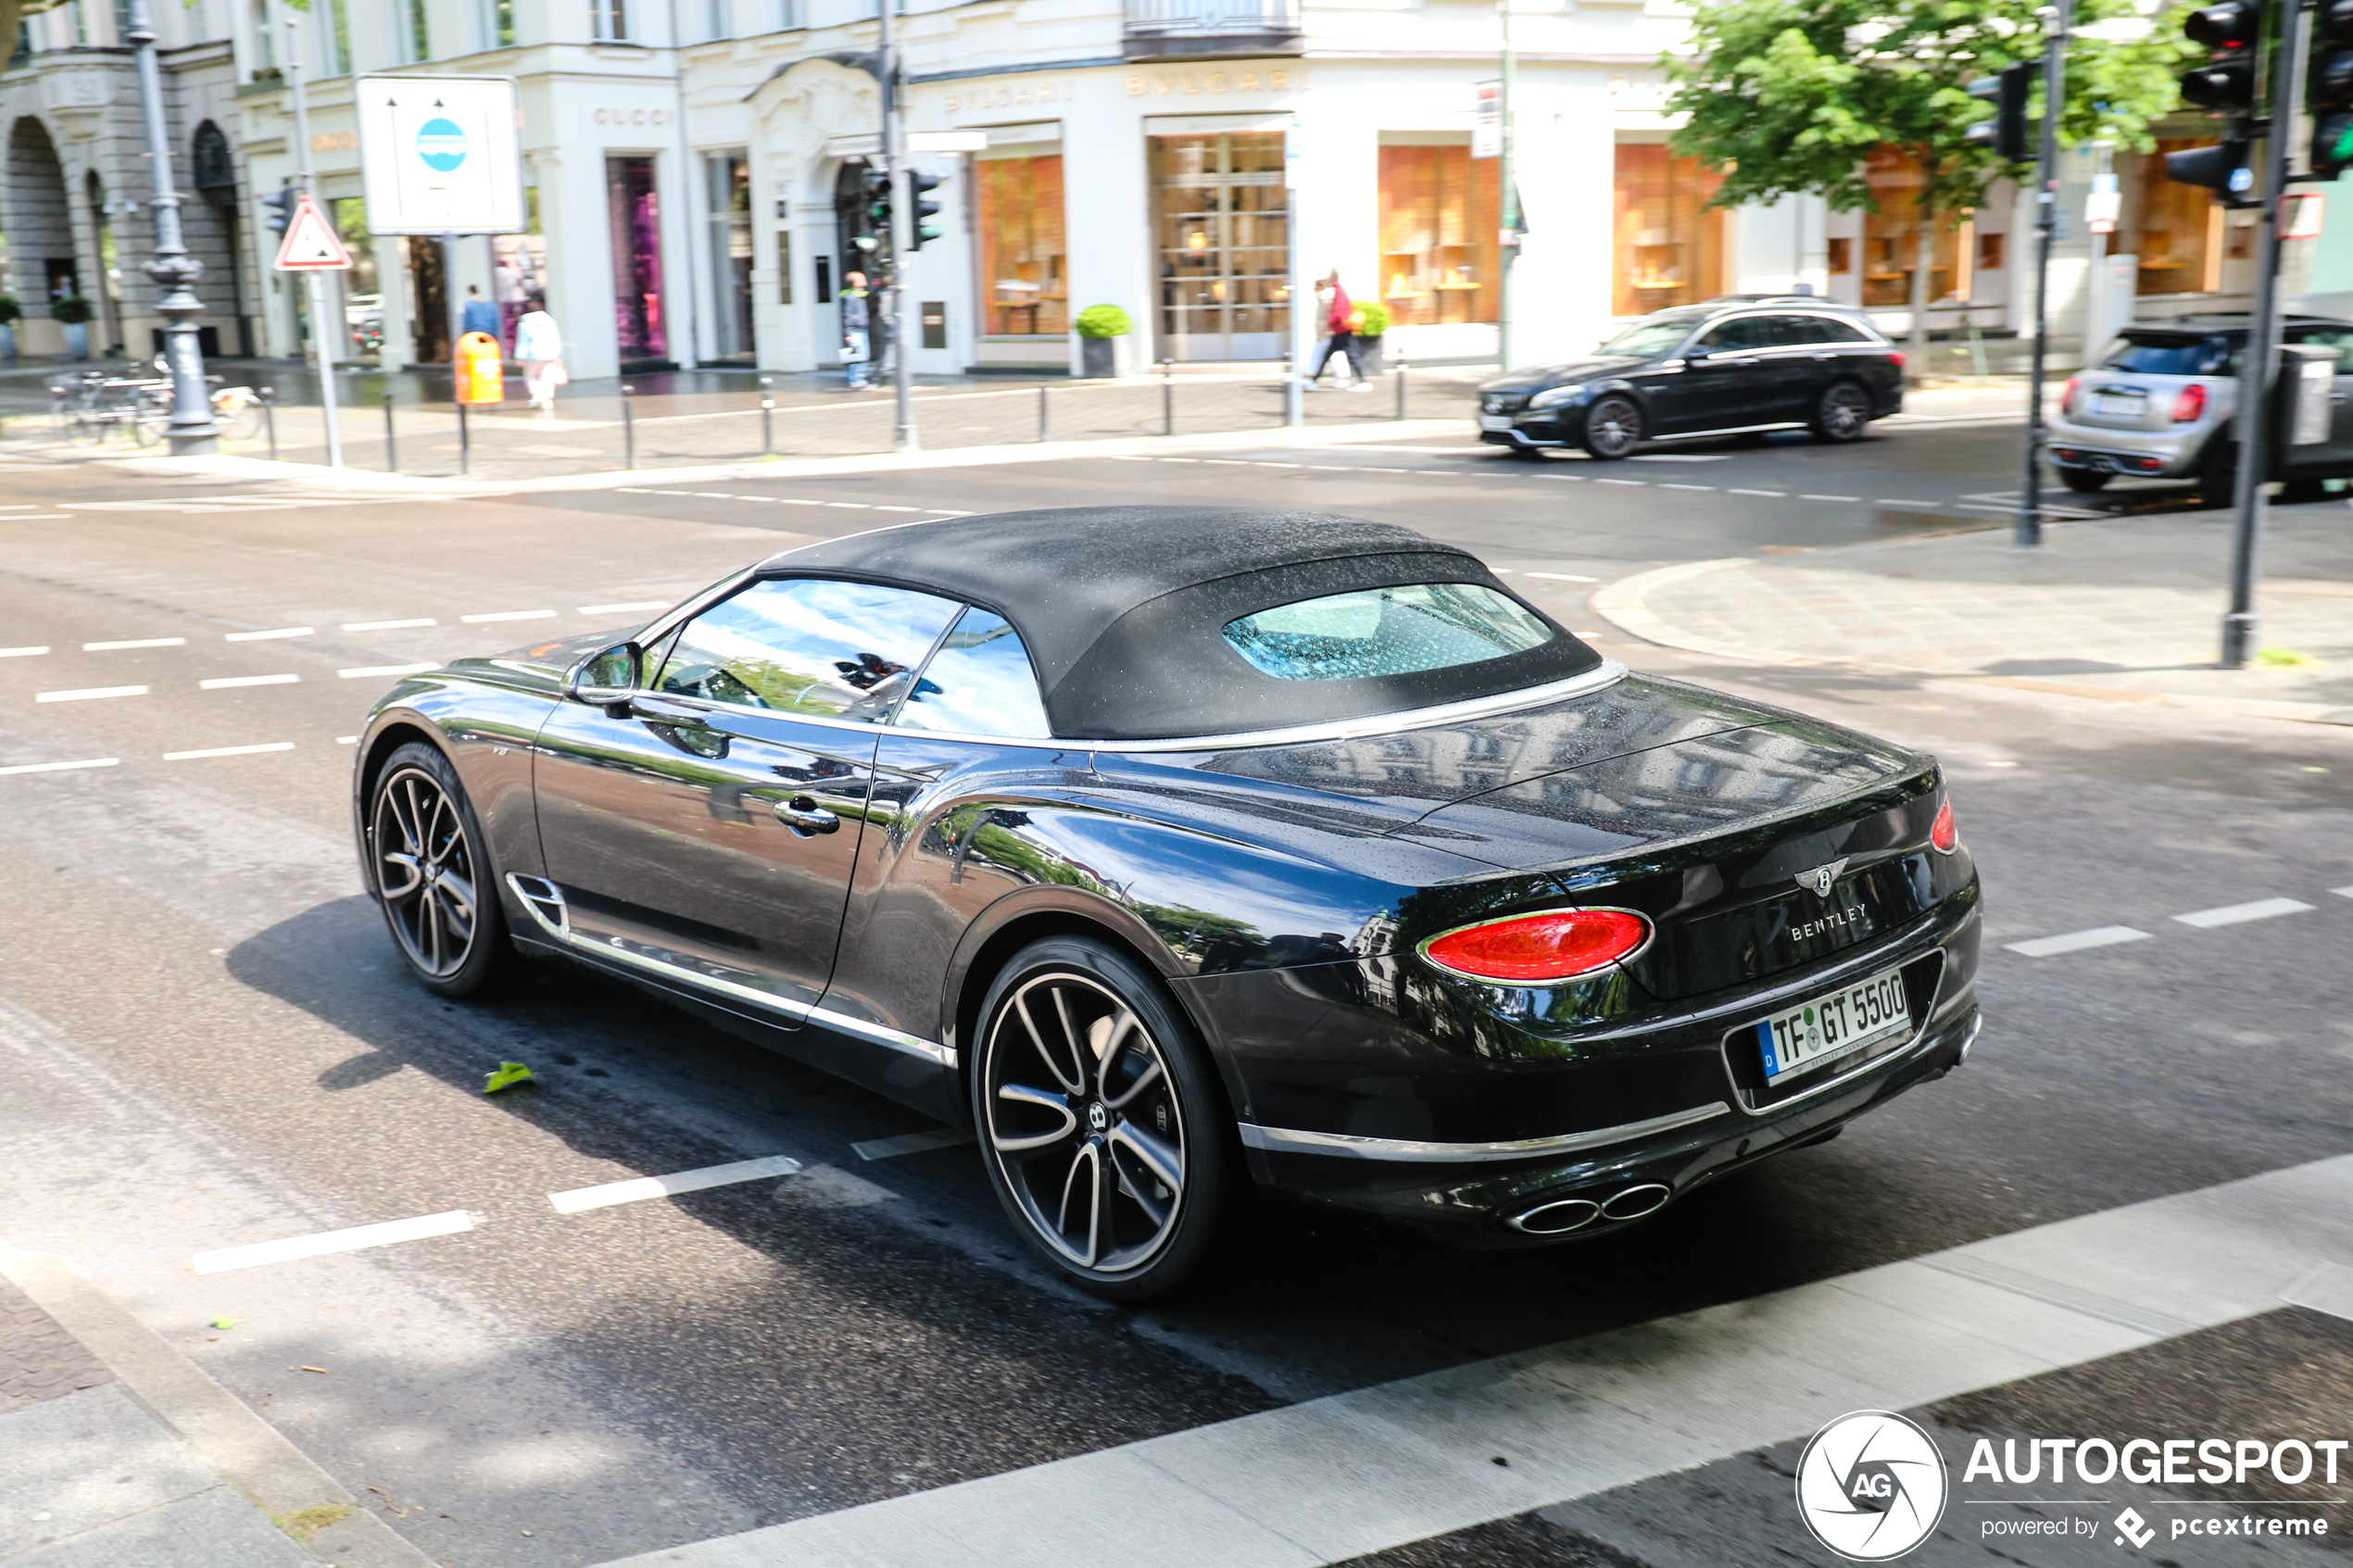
{"x":1791,"y":96}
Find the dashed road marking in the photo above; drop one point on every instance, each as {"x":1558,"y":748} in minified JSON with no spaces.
{"x":135,"y":642}
{"x":389,"y":625}
{"x":324,"y":1242}
{"x":1892,"y":501}
{"x":22,"y":653}
{"x":1564,"y":577}
{"x":386,"y":669}
{"x":86,"y":692}
{"x":631,"y":1191}
{"x":1668,"y":486}
{"x":221,"y":681}
{"x":62,"y":767}
{"x":267,"y":636}
{"x":2239,"y":914}
{"x":1812,"y":498}
{"x":910,"y":1142}
{"x":229,"y":751}
{"x":507,"y":615}
{"x":1782,"y":494}
{"x":2076,"y":941}
{"x":346,"y":740}
{"x":1640,"y":481}
{"x":848,"y":506}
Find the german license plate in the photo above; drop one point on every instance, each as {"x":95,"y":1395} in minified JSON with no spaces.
{"x":1495,"y":421}
{"x":2121,"y":407}
{"x":1845,"y":1020}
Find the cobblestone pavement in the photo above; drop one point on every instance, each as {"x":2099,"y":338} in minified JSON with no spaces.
{"x":2127,"y":608}
{"x":38,"y":1359}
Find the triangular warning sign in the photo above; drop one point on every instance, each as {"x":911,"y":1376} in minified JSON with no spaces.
{"x":311,"y":244}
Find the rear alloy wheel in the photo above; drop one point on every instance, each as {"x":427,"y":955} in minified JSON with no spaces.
{"x":1613,"y":428}
{"x":438,"y":890}
{"x":1101,"y":1126}
{"x":2218,"y":470}
{"x":2084,"y":481}
{"x":1843,"y":415}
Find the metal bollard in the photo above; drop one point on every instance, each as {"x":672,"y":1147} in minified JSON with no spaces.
{"x":628,"y":427}
{"x":1402,"y":369}
{"x":392,"y":453}
{"x":1168,"y":398}
{"x":1045,"y":429}
{"x":767,"y":418}
{"x":269,"y":396}
{"x":465,"y":443}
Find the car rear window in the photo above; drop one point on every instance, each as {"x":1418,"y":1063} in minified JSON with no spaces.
{"x":1385,"y":632}
{"x":2168,"y":356}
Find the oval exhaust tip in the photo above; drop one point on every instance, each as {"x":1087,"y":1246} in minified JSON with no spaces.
{"x":1558,"y":1217}
{"x":1637,"y":1202}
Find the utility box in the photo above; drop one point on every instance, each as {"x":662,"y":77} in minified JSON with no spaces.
{"x":481,"y":376}
{"x":2308,"y":387}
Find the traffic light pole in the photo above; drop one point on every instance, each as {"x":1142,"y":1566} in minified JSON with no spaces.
{"x":2258,"y":370}
{"x":315,"y":286}
{"x":2029,"y":532}
{"x":902,"y":239}
{"x":192,"y":430}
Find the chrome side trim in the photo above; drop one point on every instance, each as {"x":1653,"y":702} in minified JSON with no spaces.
{"x":799,"y":1012}
{"x":1607,"y":674}
{"x":536,"y":891}
{"x":1289,"y":1140}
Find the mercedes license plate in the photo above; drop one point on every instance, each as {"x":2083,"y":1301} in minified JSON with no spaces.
{"x":1863,"y":1014}
{"x":1495,"y":421}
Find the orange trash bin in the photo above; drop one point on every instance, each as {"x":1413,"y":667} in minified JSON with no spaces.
{"x":481,"y":376}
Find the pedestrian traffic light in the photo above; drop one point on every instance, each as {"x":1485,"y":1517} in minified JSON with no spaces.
{"x":2331,"y":89}
{"x":2005,"y":132}
{"x":925,"y":211}
{"x":2232,"y":30}
{"x":279,"y":208}
{"x":877,"y":204}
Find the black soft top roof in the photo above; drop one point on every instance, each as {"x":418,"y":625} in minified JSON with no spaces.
{"x":1122,"y":608}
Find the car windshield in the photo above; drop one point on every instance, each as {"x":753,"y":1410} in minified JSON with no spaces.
{"x":2170,"y":354}
{"x":1654,"y":336}
{"x":1385,"y":632}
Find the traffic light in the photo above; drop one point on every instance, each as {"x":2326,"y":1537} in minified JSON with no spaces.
{"x":877,"y":205}
{"x":280,"y":205}
{"x":2005,"y":132}
{"x":926,"y":212}
{"x":2331,"y":89}
{"x":2224,"y":84}
{"x":2224,"y":169}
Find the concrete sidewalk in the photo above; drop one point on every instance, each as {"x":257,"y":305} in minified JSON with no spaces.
{"x":2125,"y":609}
{"x":117,"y":1452}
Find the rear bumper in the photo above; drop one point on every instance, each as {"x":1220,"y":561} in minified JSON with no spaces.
{"x":2150,"y":453}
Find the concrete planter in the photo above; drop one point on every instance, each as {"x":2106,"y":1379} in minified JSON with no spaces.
{"x":77,"y":340}
{"x":7,"y":340}
{"x":1098,"y":358}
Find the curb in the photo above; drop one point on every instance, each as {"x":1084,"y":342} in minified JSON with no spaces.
{"x":245,"y":1450}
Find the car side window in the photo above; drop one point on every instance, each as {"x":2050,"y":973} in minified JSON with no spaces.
{"x":979,"y":683}
{"x":1803,"y":330}
{"x":1828,"y":331}
{"x":1728,"y":337}
{"x":813,"y":646}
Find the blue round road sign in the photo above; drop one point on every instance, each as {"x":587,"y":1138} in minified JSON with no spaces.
{"x":442,"y":144}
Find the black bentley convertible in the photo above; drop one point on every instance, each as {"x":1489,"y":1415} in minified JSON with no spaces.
{"x":1175,"y":850}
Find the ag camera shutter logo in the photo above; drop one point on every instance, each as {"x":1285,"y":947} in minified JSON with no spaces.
{"x":442,"y":143}
{"x":1871,"y":1486}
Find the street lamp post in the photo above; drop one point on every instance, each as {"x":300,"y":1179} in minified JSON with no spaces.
{"x":173,"y":270}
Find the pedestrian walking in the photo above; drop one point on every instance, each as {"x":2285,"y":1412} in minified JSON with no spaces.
{"x":479,"y":315}
{"x":1342,"y":321}
{"x":539,"y":344}
{"x":857,"y":324}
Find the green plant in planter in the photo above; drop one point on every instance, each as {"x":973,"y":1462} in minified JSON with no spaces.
{"x":1104,"y":321}
{"x":1376,"y":318}
{"x":70,"y":310}
{"x":10,"y":311}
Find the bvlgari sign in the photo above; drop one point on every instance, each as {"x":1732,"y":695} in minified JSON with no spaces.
{"x":1162,"y":85}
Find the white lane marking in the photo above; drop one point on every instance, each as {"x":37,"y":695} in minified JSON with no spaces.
{"x":1668,"y":486}
{"x":634,"y":490}
{"x":624,"y":609}
{"x":324,"y":1242}
{"x":1351,"y":1475}
{"x":386,"y":669}
{"x":61,"y":767}
{"x":507,"y":615}
{"x":901,"y":508}
{"x":346,"y":740}
{"x":1682,"y":458}
{"x":27,"y":506}
{"x":266,"y":636}
{"x":848,"y":506}
{"x":631,"y":1191}
{"x":88,"y":692}
{"x":1118,"y":457}
{"x":41,"y":517}
{"x":135,"y":642}
{"x":1891,"y":501}
{"x":2342,"y":892}
{"x":229,"y":751}
{"x":2076,"y":941}
{"x":388,"y":625}
{"x":1812,"y":498}
{"x":794,"y":501}
{"x":2238,"y":914}
{"x":22,"y":653}
{"x":936,"y":512}
{"x":1641,"y":482}
{"x":1331,"y":467}
{"x":1564,"y":577}
{"x":1782,"y":494}
{"x":220,"y":681}
{"x":910,"y":1142}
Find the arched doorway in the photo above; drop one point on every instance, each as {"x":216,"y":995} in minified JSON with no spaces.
{"x":41,"y":257}
{"x":212,"y":230}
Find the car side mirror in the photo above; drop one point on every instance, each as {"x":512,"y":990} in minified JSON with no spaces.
{"x":607,"y":678}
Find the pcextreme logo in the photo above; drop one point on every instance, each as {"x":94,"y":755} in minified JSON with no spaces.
{"x":1871,"y":1486}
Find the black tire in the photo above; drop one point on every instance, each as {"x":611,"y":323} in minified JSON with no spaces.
{"x":1159,"y":1114}
{"x":1613,"y":428}
{"x":430,"y":868}
{"x":2084,"y":481}
{"x":2216,"y":472}
{"x":1842,"y":414}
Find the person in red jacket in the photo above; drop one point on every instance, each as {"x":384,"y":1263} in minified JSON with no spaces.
{"x":1340,"y":322}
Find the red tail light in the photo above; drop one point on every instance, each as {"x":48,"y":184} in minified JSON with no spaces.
{"x":1540,"y":949}
{"x":2190,"y":405}
{"x":1896,"y":354}
{"x":2067,"y":395}
{"x":1942,"y":834}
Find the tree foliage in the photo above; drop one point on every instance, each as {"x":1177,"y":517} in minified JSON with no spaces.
{"x":1790,"y":96}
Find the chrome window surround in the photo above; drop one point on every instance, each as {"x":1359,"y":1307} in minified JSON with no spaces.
{"x":1348,"y":1145}
{"x":558,"y":929}
{"x":1650,"y":934}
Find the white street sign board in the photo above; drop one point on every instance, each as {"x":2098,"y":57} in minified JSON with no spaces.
{"x":311,"y":244}
{"x":1486,"y":119}
{"x":440,"y":155}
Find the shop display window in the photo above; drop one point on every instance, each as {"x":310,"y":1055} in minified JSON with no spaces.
{"x":1025,"y":288}
{"x":1439,"y":217}
{"x":1892,"y":233}
{"x":1670,"y":242}
{"x":1221,"y":225}
{"x":518,"y":268}
{"x":2181,"y":228}
{"x":634,"y":207}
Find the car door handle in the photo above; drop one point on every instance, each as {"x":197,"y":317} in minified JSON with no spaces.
{"x":804,"y":816}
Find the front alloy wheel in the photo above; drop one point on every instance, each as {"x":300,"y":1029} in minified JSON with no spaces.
{"x":437,"y":890}
{"x":1096,"y":1120}
{"x":1613,"y":426}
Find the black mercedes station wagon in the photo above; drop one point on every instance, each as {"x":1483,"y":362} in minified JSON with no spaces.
{"x":1724,"y":368}
{"x":1178,"y":851}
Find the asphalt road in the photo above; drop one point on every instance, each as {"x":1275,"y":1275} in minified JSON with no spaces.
{"x":210,"y":1044}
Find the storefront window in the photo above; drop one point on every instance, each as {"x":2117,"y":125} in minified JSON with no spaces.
{"x":1439,"y":219}
{"x":1024,"y":284}
{"x":1670,"y":242}
{"x":519,"y":268}
{"x":1222,"y":228}
{"x":634,"y":208}
{"x":730,"y":196}
{"x":2181,"y":233}
{"x":363,"y":300}
{"x":1892,"y":233}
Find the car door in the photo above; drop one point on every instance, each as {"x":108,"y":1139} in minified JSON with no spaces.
{"x":1801,"y":364}
{"x":707,"y":829}
{"x":1717,"y":387}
